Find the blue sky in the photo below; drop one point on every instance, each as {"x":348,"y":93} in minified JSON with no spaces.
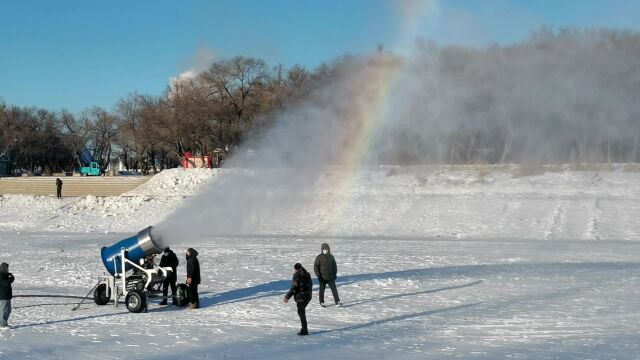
{"x":77,"y":53}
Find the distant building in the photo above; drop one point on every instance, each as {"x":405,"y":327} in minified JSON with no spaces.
{"x":5,"y":165}
{"x":196,"y":161}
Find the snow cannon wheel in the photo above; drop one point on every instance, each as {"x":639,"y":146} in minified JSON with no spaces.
{"x":136,"y":301}
{"x":101,"y":295}
{"x":182,"y":295}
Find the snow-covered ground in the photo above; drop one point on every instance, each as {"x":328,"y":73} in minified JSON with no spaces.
{"x":474,"y":202}
{"x":143,"y":206}
{"x":433,"y":263}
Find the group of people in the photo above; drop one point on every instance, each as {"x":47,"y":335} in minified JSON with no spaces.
{"x":326,"y":270}
{"x":170,"y":259}
{"x":324,"y":267}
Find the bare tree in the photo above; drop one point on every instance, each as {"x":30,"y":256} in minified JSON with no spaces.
{"x":102,"y":129}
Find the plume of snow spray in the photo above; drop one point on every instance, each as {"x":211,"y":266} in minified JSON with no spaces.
{"x":550,"y":98}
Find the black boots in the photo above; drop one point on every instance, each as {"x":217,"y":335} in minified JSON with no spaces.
{"x":164,"y":302}
{"x":303,"y":332}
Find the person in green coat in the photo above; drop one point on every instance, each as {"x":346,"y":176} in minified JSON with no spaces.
{"x":326,"y":270}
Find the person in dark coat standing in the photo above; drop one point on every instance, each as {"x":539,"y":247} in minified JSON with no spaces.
{"x":326,"y":270}
{"x":301,"y":291}
{"x":59,"y":188}
{"x":6,"y":278}
{"x":169,"y":259}
{"x":193,"y":278}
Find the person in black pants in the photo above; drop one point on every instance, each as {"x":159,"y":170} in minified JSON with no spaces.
{"x":169,"y":259}
{"x":301,"y":291}
{"x":326,"y":270}
{"x":193,"y":278}
{"x":6,"y":279}
{"x":59,"y":188}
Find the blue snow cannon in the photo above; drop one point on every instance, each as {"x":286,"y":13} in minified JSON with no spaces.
{"x":136,"y":247}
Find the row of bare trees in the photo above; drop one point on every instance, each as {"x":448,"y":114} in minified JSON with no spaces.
{"x":38,"y":140}
{"x":215,"y":109}
{"x":559,"y":96}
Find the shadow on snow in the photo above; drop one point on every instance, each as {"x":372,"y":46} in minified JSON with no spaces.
{"x":279,"y":287}
{"x":430,"y":291}
{"x":397,"y":318}
{"x":61,"y":321}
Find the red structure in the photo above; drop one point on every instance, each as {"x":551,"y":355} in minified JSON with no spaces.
{"x":198,"y":161}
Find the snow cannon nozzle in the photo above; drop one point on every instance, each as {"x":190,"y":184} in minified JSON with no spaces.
{"x":136,"y":247}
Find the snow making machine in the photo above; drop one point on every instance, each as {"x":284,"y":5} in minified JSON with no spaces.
{"x":128,"y":277}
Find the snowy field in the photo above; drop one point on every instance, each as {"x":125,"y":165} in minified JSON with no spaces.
{"x":432,"y":264}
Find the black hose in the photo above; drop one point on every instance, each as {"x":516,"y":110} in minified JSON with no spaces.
{"x":49,"y":296}
{"x":45,"y":296}
{"x":36,"y":305}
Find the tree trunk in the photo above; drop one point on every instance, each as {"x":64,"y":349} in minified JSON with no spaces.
{"x":153,"y":161}
{"x":452,"y":151}
{"x":471,"y":146}
{"x":583,"y":149}
{"x":507,"y":146}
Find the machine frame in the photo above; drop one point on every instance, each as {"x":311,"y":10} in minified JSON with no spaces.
{"x":116,"y":285}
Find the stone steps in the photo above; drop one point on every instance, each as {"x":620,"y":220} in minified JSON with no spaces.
{"x":72,"y":186}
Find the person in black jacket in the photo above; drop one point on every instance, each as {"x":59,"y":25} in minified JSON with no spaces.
{"x":326,"y":270}
{"x":193,"y":278}
{"x":59,"y":188}
{"x":301,"y":291}
{"x":169,"y":259}
{"x":6,"y":278}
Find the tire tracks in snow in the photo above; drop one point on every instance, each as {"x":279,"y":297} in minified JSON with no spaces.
{"x":506,"y":214}
{"x":558,"y":218}
{"x":593,"y":229}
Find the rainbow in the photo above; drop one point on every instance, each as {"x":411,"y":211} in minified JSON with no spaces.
{"x":371,"y":111}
